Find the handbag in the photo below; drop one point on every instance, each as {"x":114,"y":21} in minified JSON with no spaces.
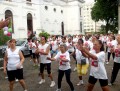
{"x":83,"y":61}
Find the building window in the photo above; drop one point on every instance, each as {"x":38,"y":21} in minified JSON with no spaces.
{"x":80,"y":11}
{"x":54,"y":9}
{"x":61,"y":11}
{"x":28,"y":0}
{"x":8,"y":0}
{"x":81,"y":27}
{"x":46,"y":7}
{"x":8,"y":13}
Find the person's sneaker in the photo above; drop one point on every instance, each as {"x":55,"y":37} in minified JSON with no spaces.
{"x":30,"y":59}
{"x":16,"y":80}
{"x":52,"y":84}
{"x":107,"y":62}
{"x":42,"y":81}
{"x":75,"y":69}
{"x":6,"y":77}
{"x":80,"y":83}
{"x":58,"y":90}
{"x":110,"y":84}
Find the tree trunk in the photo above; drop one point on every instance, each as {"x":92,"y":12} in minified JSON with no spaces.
{"x":107,"y":27}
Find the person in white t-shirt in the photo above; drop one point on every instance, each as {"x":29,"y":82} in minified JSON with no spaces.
{"x":64,"y":66}
{"x":116,"y":65}
{"x":44,"y":52}
{"x":54,"y":46}
{"x":13,"y":61}
{"x":8,"y":46}
{"x":97,"y":70}
{"x":111,"y":44}
{"x":34,"y":47}
{"x":82,"y":62}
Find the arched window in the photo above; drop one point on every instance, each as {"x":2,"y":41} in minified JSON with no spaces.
{"x":29,"y":24}
{"x":61,"y":11}
{"x":46,"y":7}
{"x":8,"y":13}
{"x":28,"y":0}
{"x":54,"y":9}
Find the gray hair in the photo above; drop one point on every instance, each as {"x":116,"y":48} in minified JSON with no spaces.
{"x":63,"y":44}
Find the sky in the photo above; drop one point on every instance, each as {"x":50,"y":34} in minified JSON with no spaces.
{"x":89,"y":0}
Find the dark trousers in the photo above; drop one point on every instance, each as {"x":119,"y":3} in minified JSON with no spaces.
{"x":109,"y":54}
{"x":67,"y":74}
{"x":115,"y":70}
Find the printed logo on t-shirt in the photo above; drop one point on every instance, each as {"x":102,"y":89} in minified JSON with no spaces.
{"x":61,"y":61}
{"x":117,"y":52}
{"x":109,"y":45}
{"x":52,"y":43}
{"x":42,"y":50}
{"x":86,"y":44}
{"x":94,"y":63}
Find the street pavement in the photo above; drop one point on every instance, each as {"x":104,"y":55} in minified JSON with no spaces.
{"x":32,"y":78}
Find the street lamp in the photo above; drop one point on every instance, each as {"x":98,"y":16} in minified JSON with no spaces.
{"x":118,"y":16}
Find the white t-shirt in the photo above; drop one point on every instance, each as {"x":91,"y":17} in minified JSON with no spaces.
{"x":33,"y":47}
{"x":98,"y":71}
{"x":70,"y":47}
{"x":63,"y":65}
{"x":88,"y":44}
{"x":79,"y":57}
{"x":43,"y":58}
{"x":13,"y":59}
{"x":54,"y":45}
{"x":111,"y":44}
{"x":117,"y":55}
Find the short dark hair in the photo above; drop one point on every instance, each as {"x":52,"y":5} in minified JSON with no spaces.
{"x":12,"y":40}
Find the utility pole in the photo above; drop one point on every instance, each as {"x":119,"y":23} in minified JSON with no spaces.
{"x":118,"y":16}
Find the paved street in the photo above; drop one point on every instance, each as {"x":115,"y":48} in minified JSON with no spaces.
{"x":32,"y":79}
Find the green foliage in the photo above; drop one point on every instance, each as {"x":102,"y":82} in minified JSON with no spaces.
{"x":45,"y":34}
{"x":3,"y":38}
{"x":106,"y":10}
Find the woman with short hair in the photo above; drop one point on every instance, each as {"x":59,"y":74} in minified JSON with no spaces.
{"x":13,"y":61}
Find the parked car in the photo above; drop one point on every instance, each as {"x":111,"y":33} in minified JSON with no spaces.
{"x":1,"y":59}
{"x":22,"y":44}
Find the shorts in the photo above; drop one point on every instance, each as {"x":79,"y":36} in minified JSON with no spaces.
{"x":34,"y":55}
{"x":103,"y":82}
{"x":15,"y":74}
{"x":82,"y":69}
{"x":30,"y":52}
{"x":42,"y":67}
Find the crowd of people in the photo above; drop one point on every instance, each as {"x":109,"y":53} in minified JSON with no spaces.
{"x":88,"y":52}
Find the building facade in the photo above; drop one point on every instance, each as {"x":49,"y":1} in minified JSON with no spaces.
{"x":90,"y":26}
{"x":57,"y":17}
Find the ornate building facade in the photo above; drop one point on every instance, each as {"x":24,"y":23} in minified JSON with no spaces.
{"x":57,"y":17}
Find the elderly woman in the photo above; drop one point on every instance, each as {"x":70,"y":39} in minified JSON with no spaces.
{"x":13,"y":61}
{"x":64,"y":66}
{"x":97,"y":70}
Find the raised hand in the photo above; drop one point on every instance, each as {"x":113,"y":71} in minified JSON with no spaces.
{"x":4,"y":23}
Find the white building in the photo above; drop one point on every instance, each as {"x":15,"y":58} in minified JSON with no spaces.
{"x":58,"y":17}
{"x":90,"y":26}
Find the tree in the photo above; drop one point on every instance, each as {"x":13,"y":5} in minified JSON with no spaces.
{"x":106,"y":10}
{"x":3,"y":38}
{"x":45,"y":34}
